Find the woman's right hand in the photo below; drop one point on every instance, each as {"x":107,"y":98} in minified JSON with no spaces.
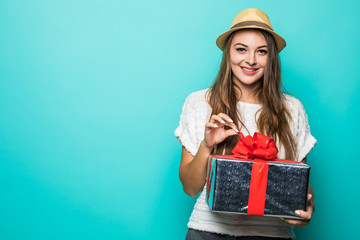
{"x":215,"y":131}
{"x":192,"y":169}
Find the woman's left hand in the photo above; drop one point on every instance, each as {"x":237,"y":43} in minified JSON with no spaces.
{"x":305,"y":214}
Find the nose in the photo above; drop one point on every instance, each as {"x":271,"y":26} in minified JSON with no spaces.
{"x":251,"y":59}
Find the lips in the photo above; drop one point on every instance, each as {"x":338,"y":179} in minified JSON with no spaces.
{"x":249,"y":71}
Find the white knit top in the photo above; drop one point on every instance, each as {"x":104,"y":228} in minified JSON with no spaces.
{"x":190,"y":132}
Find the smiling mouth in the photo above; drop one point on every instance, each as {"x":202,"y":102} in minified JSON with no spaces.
{"x":249,"y":69}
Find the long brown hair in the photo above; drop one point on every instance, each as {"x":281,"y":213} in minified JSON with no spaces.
{"x":274,"y":117}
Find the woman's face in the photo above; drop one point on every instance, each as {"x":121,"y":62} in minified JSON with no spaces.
{"x":248,"y":57}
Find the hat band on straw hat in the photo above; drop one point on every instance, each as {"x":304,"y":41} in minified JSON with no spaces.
{"x":254,"y":23}
{"x":254,"y":19}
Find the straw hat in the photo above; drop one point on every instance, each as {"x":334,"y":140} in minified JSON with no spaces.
{"x":251,"y":18}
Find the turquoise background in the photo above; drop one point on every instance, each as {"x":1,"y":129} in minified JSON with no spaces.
{"x":91,"y":92}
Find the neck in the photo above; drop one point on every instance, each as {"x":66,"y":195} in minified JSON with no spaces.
{"x":247,"y":93}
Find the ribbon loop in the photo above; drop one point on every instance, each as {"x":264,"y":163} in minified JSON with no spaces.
{"x":258,"y":146}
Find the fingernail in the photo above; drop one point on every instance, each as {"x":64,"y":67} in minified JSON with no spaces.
{"x":237,"y":130}
{"x":222,"y":121}
{"x":230,"y":120}
{"x":297,"y":212}
{"x":215,"y":125}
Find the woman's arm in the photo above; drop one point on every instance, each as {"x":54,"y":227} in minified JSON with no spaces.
{"x":305,"y":214}
{"x":192,"y":170}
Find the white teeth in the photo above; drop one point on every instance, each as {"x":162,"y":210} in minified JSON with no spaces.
{"x":249,"y":70}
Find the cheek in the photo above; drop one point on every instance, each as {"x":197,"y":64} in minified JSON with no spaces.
{"x":236,"y":58}
{"x":263,"y":61}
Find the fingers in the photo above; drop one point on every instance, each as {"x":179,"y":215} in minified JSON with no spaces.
{"x":222,"y":119}
{"x":215,"y":119}
{"x":215,"y":132}
{"x":299,"y":222}
{"x":303,"y":214}
{"x":230,"y":132}
{"x":306,"y":215}
{"x":291,"y":221}
{"x":309,"y":197}
{"x":296,"y":223}
{"x":211,"y":125}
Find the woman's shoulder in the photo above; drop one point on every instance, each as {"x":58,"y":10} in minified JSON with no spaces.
{"x":292,"y":103}
{"x":200,"y":95}
{"x":198,"y":98}
{"x":296,"y":109}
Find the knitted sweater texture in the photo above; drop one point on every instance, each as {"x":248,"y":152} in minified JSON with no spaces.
{"x":190,"y":132}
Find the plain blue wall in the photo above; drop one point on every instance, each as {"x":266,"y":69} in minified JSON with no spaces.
{"x":91,"y":92}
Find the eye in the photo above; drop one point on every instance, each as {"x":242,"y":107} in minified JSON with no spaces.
{"x":240,"y":49}
{"x":262,"y":51}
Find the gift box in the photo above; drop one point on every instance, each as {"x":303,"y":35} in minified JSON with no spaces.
{"x":252,"y":181}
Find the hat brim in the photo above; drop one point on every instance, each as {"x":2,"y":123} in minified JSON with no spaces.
{"x":221,"y":40}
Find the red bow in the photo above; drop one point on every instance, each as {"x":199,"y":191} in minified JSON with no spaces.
{"x":258,"y":146}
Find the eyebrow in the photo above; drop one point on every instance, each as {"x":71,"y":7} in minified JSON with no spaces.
{"x":247,"y":45}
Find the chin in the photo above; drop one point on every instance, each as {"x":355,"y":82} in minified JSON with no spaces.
{"x":246,"y":80}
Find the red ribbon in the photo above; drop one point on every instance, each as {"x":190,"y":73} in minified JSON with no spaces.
{"x":259,"y":149}
{"x":258,"y":146}
{"x":258,"y":185}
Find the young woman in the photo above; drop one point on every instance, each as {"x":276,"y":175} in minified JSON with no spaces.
{"x":245,"y":97}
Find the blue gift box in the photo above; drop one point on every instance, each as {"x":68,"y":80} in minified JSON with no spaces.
{"x":229,"y":180}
